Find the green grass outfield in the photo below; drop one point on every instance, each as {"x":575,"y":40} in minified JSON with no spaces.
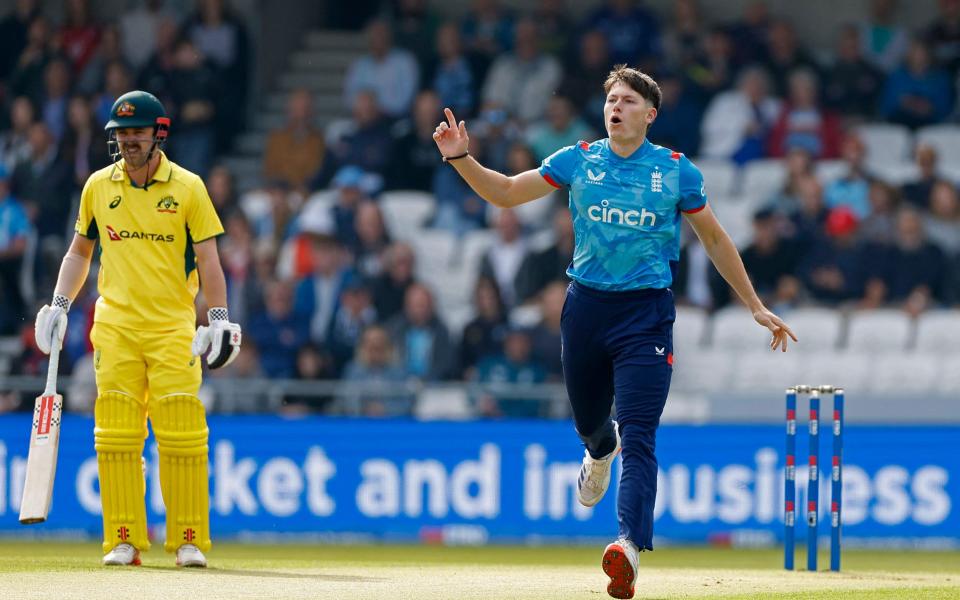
{"x":38,"y":570}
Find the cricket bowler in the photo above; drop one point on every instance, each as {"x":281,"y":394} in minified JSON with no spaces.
{"x":157,"y":230}
{"x":626,"y":198}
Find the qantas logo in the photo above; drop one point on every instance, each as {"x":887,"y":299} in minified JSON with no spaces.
{"x":595,"y":177}
{"x":123,"y":234}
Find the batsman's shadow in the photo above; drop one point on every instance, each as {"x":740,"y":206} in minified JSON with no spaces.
{"x":270,"y":574}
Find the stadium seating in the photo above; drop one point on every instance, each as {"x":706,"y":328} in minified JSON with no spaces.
{"x":819,"y":329}
{"x":938,"y":331}
{"x":878,"y":331}
{"x":405,"y":212}
{"x":886,"y":143}
{"x":944,"y":138}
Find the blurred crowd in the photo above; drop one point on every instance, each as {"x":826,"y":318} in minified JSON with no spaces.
{"x":326,"y":290}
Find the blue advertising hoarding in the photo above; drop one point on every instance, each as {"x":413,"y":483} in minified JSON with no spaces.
{"x":507,"y":481}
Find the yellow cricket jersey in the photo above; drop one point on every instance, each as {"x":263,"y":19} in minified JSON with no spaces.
{"x":148,"y":272}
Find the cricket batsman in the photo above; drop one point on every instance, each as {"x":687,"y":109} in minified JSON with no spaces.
{"x":626,"y":198}
{"x":157,"y":228}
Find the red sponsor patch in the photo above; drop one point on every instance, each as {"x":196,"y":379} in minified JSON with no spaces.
{"x":670,"y":358}
{"x":46,"y":415}
{"x":113,"y":234}
{"x":584,"y":146}
{"x":675,"y":155}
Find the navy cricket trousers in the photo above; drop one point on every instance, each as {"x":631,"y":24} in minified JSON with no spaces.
{"x":619,"y":345}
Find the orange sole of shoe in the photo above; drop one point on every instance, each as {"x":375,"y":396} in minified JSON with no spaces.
{"x":618,"y":569}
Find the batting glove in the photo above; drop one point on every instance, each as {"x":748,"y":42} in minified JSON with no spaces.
{"x":51,"y":324}
{"x":222,"y":337}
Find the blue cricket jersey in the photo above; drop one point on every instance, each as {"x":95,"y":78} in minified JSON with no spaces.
{"x":626,"y":211}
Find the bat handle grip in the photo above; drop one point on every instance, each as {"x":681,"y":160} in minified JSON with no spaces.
{"x":53,"y":367}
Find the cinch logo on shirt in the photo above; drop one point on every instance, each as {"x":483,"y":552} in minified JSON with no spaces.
{"x":595,"y":177}
{"x":612,"y":215}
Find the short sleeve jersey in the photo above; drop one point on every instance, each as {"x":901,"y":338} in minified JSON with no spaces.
{"x":148,"y":272}
{"x":626,"y":211}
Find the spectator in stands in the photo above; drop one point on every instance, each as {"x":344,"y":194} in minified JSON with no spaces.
{"x":803,"y":123}
{"x":683,"y":39}
{"x":278,"y":332}
{"x":244,"y":292}
{"x":917,"y":93}
{"x":808,"y":215}
{"x":943,"y":36}
{"x":15,"y":141}
{"x":317,"y":297}
{"x":390,"y":288}
{"x":294,"y":152}
{"x":879,"y":226}
{"x":632,"y":31}
{"x":27,"y":76}
{"x":414,"y":26}
{"x":83,"y":144}
{"x":884,"y":41}
{"x":14,"y":231}
{"x":221,"y":38}
{"x":942,"y":223}
{"x":917,"y":192}
{"x":43,"y":183}
{"x":93,"y":78}
{"x":678,"y":121}
{"x":487,"y":32}
{"x":79,"y":36}
{"x":230,"y":389}
{"x":422,"y":340}
{"x":155,"y":75}
{"x":771,"y":260}
{"x":313,"y":364}
{"x":13,"y":34}
{"x":502,"y":261}
{"x":852,"y":85}
{"x":834,"y":269}
{"x":550,"y":264}
{"x":785,"y":56}
{"x":414,"y":159}
{"x":750,"y":34}
{"x":372,"y":240}
{"x":496,"y":132}
{"x":592,"y":64}
{"x":194,"y":89}
{"x":799,"y":165}
{"x":354,"y":314}
{"x":545,"y":336}
{"x":522,"y":81}
{"x":140,"y":28}
{"x":452,"y":76}
{"x":367,"y":144}
{"x":712,"y":70}
{"x":352,"y":186}
{"x":516,"y":366}
{"x":483,"y":335}
{"x":459,"y":210}
{"x":562,"y":127}
{"x":737,"y":122}
{"x":222,"y":189}
{"x":116,"y":79}
{"x":56,"y":95}
{"x":913,"y":272}
{"x":374,"y":380}
{"x":391,"y":74}
{"x":554,"y":27}
{"x":852,"y":189}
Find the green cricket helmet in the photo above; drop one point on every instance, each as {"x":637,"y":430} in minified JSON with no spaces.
{"x":137,"y":109}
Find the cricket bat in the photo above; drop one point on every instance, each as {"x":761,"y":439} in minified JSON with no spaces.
{"x":44,"y":443}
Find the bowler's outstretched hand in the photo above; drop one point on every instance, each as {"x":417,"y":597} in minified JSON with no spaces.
{"x":776,"y":325}
{"x":451,"y":138}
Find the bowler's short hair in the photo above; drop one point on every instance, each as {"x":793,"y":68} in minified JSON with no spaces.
{"x":638,"y":81}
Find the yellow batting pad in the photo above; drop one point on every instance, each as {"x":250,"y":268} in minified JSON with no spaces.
{"x":180,"y":426}
{"x":120,"y":428}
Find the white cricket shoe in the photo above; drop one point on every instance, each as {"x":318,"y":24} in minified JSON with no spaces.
{"x":595,"y":474}
{"x":122,"y":555}
{"x":189,"y":555}
{"x":620,"y":565}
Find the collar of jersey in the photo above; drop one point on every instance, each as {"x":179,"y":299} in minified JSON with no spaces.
{"x":638,"y":153}
{"x":163,"y":172}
